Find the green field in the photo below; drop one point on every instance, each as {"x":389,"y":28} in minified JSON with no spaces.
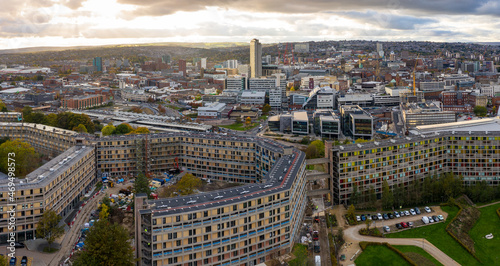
{"x":437,"y":235}
{"x":488,"y":250}
{"x":380,"y":255}
{"x":301,"y":255}
{"x":240,"y":126}
{"x":407,"y":250}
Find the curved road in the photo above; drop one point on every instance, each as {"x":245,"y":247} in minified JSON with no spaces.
{"x":353,"y":234}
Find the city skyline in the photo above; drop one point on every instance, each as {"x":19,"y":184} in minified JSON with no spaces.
{"x":92,"y":22}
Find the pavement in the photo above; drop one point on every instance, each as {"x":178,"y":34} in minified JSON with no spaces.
{"x":353,"y":238}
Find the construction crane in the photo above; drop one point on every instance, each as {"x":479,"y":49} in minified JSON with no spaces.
{"x":414,"y":83}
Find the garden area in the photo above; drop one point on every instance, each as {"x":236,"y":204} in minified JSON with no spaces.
{"x":487,"y":250}
{"x":418,"y":255}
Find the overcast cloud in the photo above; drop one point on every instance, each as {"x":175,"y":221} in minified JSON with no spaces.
{"x":90,"y":22}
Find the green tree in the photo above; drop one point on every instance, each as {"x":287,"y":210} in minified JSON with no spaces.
{"x":266,"y":108}
{"x":48,"y":227}
{"x":4,"y":261}
{"x":238,"y":120}
{"x":320,"y":146}
{"x":106,"y":244}
{"x":51,"y":120}
{"x":141,"y":130}
{"x":480,"y":111}
{"x":122,"y":129}
{"x":351,"y":212}
{"x":372,"y":196}
{"x":141,"y":184}
{"x":188,"y":184}
{"x":387,"y":197}
{"x":80,"y":128}
{"x":108,"y":130}
{"x":3,"y":107}
{"x":355,"y":194}
{"x":24,"y":157}
{"x":312,"y":152}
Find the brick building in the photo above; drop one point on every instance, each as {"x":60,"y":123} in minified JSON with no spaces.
{"x":83,"y":102}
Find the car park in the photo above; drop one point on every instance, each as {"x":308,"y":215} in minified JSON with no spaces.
{"x":412,"y":211}
{"x":440,"y":217}
{"x":358,"y":218}
{"x":379,"y":216}
{"x":398,"y":226}
{"x":386,"y":217}
{"x":417,"y":210}
{"x":427,"y":209}
{"x":390,"y":216}
{"x":363,"y":217}
{"x":407,"y":213}
{"x":404,"y":225}
{"x":396,"y":214}
{"x":387,"y":229}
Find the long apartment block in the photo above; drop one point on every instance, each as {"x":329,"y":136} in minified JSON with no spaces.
{"x":473,"y":155}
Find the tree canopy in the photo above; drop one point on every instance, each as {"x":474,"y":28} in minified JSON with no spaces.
{"x":48,"y":226}
{"x":188,"y":184}
{"x":108,"y":130}
{"x":24,"y":156}
{"x":480,"y":111}
{"x":106,"y":244}
{"x":123,"y":129}
{"x":266,"y":108}
{"x":141,"y":184}
{"x":3,"y":107}
{"x":64,"y":120}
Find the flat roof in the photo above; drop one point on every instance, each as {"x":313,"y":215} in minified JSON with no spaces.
{"x":485,"y":124}
{"x":301,"y":115}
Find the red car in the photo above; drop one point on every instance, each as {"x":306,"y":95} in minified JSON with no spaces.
{"x":404,"y":225}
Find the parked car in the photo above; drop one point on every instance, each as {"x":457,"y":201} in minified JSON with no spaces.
{"x":386,"y":217}
{"x":374,"y":217}
{"x":396,"y":214}
{"x":402,"y":213}
{"x":18,"y":245}
{"x":369,"y":217}
{"x":404,"y":225}
{"x":363,"y":217}
{"x":440,"y":217}
{"x":425,"y":220}
{"x":13,"y":261}
{"x":427,"y":209}
{"x":379,"y":216}
{"x":398,"y":226}
{"x":435,"y":218}
{"x":315,"y":235}
{"x":410,"y":224}
{"x":24,"y":261}
{"x":387,"y":229}
{"x":390,"y":216}
{"x":430,"y":219}
{"x":316,"y":247}
{"x":412,"y":211}
{"x":358,"y":218}
{"x":417,"y":210}
{"x":407,"y":213}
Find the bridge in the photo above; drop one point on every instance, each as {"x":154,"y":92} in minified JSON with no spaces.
{"x":317,"y":161}
{"x":318,"y":192}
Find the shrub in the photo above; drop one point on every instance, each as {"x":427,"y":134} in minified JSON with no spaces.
{"x":370,"y":232}
{"x":461,"y":224}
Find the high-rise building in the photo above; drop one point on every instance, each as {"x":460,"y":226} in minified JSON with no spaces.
{"x":97,"y":62}
{"x":182,"y":66}
{"x":165,"y":59}
{"x":255,"y":58}
{"x":380,"y":47}
{"x":203,"y":63}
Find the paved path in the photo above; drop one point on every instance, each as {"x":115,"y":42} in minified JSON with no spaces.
{"x":489,"y":204}
{"x":352,"y":235}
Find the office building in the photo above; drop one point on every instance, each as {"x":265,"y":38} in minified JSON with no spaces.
{"x":300,"y":123}
{"x":211,"y":111}
{"x":265,"y":84}
{"x":235,"y":84}
{"x":326,"y":123}
{"x":419,"y":114}
{"x":320,"y":98}
{"x":255,"y":59}
{"x":230,"y":64}
{"x":165,"y":59}
{"x":356,"y":122}
{"x":253,"y":98}
{"x":276,"y":97}
{"x":182,"y":67}
{"x":97,"y":63}
{"x":203,"y":63}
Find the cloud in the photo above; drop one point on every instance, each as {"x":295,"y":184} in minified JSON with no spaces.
{"x":386,"y":20}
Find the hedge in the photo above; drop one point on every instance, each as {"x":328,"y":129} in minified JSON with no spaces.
{"x":333,"y":255}
{"x":448,"y":230}
{"x":364,"y":244}
{"x":498,"y":212}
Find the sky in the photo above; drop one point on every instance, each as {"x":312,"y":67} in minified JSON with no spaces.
{"x":32,"y":23}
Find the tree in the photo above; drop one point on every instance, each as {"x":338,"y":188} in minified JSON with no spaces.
{"x":480,"y":111}
{"x":48,"y":227}
{"x":122,"y":129}
{"x":355,"y":195}
{"x":80,"y":128}
{"x":141,"y":130}
{"x":3,"y":107}
{"x":248,"y":121}
{"x":136,"y":109}
{"x":106,"y":244}
{"x":387,"y":197}
{"x":141,"y":184}
{"x":51,"y":120}
{"x":320,"y":146}
{"x":372,"y":196}
{"x":108,"y":130}
{"x":188,"y":184}
{"x":161,"y":109}
{"x":25,"y":158}
{"x":266,"y":108}
{"x":238,"y":120}
{"x":351,"y":211}
{"x":104,"y":214}
{"x":312,"y":152}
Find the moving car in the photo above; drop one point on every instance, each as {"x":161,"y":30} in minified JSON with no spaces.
{"x":427,"y":209}
{"x":316,"y":247}
{"x":387,"y":229}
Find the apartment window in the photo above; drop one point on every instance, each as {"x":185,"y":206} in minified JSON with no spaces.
{"x":178,"y":243}
{"x":208,"y":253}
{"x":208,"y":229}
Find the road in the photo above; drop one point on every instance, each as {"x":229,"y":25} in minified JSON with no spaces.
{"x":73,"y":233}
{"x":352,"y":235}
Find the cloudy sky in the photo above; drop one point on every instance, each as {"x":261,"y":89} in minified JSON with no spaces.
{"x":28,"y":23}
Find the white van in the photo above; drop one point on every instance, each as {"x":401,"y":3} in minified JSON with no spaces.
{"x":425,"y":220}
{"x":317,"y":260}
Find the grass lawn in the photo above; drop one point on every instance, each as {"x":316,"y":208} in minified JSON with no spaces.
{"x":240,"y":126}
{"x":380,"y":255}
{"x":437,"y":235}
{"x":408,"y":250}
{"x":488,"y":250}
{"x":301,"y":253}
